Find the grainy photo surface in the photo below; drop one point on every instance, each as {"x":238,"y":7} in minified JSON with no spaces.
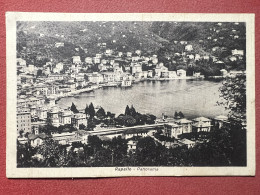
{"x":130,"y":95}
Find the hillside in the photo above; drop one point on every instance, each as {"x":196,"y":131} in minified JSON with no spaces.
{"x":155,"y":37}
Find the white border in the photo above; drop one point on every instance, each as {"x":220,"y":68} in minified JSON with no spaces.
{"x":13,"y":172}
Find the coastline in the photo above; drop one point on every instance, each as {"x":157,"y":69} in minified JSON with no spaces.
{"x":118,"y":84}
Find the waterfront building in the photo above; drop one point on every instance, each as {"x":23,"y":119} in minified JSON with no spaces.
{"x":181,"y":73}
{"x":63,"y":138}
{"x":126,"y":83}
{"x":95,"y":78}
{"x":150,"y":74}
{"x":54,"y":77}
{"x":108,"y":77}
{"x":145,"y":74}
{"x":136,"y":68}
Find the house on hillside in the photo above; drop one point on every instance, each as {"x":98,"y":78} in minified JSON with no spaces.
{"x":185,"y":125}
{"x":201,"y":124}
{"x":37,"y":140}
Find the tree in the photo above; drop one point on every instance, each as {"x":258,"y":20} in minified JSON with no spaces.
{"x":176,"y":115}
{"x":132,"y":111}
{"x":233,"y":94}
{"x":73,"y":108}
{"x":21,"y":133}
{"x":53,"y":154}
{"x":82,"y":126}
{"x":147,"y":152}
{"x":91,"y":110}
{"x":101,"y":113}
{"x":87,"y":110}
{"x":127,"y":110}
{"x":181,"y":115}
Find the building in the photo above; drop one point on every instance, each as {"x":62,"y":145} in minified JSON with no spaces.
{"x":65,"y":117}
{"x":37,"y":140}
{"x":126,"y":83}
{"x":188,"y":48}
{"x":172,"y":74}
{"x":181,"y":73}
{"x":201,"y":124}
{"x":136,"y":68}
{"x":220,"y":121}
{"x":88,"y":60}
{"x":53,"y":116}
{"x":78,"y":119}
{"x":172,"y":130}
{"x":23,"y":120}
{"x":237,"y":52}
{"x":185,"y":125}
{"x":59,"y":44}
{"x":131,"y":145}
{"x":76,"y":60}
{"x":109,"y":77}
{"x":42,"y":112}
{"x":223,"y":72}
{"x":96,"y":60}
{"x":187,"y":142}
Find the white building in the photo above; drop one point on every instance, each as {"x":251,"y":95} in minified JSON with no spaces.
{"x":188,"y":48}
{"x":88,"y":60}
{"x":76,"y":60}
{"x":202,"y":124}
{"x":237,"y":52}
{"x":181,"y":73}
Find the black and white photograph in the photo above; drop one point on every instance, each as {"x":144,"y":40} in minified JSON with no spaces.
{"x":89,"y":95}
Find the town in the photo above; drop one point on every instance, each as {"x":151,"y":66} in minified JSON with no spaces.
{"x":42,"y":81}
